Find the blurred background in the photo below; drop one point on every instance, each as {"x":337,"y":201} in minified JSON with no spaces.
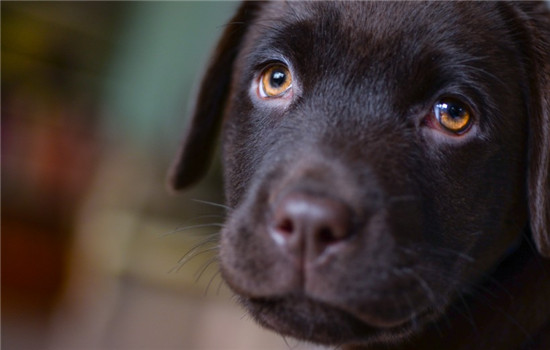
{"x":94,"y":249}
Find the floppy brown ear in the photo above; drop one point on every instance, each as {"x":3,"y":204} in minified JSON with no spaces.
{"x":199,"y":141}
{"x":538,"y":25}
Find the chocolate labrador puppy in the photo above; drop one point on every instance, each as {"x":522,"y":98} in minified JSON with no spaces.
{"x":387,"y":170}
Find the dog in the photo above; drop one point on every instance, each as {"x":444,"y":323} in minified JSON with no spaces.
{"x":386,"y":169}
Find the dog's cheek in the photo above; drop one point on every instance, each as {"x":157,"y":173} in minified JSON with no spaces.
{"x":477,"y":208}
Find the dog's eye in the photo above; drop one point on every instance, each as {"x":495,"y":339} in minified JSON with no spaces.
{"x":275,"y":81}
{"x":453,"y":115}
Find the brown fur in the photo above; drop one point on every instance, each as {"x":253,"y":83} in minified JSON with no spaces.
{"x":353,"y":220}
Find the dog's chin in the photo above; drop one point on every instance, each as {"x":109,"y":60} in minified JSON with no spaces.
{"x":310,"y":320}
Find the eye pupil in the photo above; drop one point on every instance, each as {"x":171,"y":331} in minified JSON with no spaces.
{"x":277,"y":79}
{"x":455,"y":111}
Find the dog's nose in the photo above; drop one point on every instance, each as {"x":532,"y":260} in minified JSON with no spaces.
{"x":308,"y":224}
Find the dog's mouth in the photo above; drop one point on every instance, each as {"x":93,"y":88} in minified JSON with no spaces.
{"x":303,"y":285}
{"x":380,"y":313}
{"x":304,"y":318}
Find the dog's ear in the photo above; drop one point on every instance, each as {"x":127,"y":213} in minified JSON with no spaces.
{"x":537,"y":17}
{"x":199,"y":141}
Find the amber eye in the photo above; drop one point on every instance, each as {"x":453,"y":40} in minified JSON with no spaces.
{"x":275,"y":81}
{"x":453,"y":115}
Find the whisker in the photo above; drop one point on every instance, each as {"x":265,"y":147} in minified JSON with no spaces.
{"x":202,"y":270}
{"x":286,"y":342}
{"x":191,"y":227}
{"x":432,"y":298}
{"x":204,"y":216}
{"x":414,"y":315}
{"x":207,"y":240}
{"x":457,"y":253}
{"x":220,"y":284}
{"x":213,"y":249}
{"x":210,"y":282}
{"x":438,"y":275}
{"x":500,"y":286}
{"x":478,"y":288}
{"x":425,"y":286}
{"x":212,"y":204}
{"x":189,"y":257}
{"x":509,"y":317}
{"x":470,"y":288}
{"x":195,"y":251}
{"x":467,"y":314}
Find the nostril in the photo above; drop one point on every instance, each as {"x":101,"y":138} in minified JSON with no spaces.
{"x":326,"y":235}
{"x":285,"y":227}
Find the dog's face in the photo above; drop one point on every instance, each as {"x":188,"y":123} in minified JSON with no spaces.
{"x":376,"y":160}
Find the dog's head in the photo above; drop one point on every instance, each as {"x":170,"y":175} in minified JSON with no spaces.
{"x":379,"y":157}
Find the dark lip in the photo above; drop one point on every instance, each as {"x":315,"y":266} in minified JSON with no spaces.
{"x":267,"y":311}
{"x":280,"y":315}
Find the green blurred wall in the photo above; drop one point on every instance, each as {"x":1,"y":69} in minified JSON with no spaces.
{"x":163,"y":49}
